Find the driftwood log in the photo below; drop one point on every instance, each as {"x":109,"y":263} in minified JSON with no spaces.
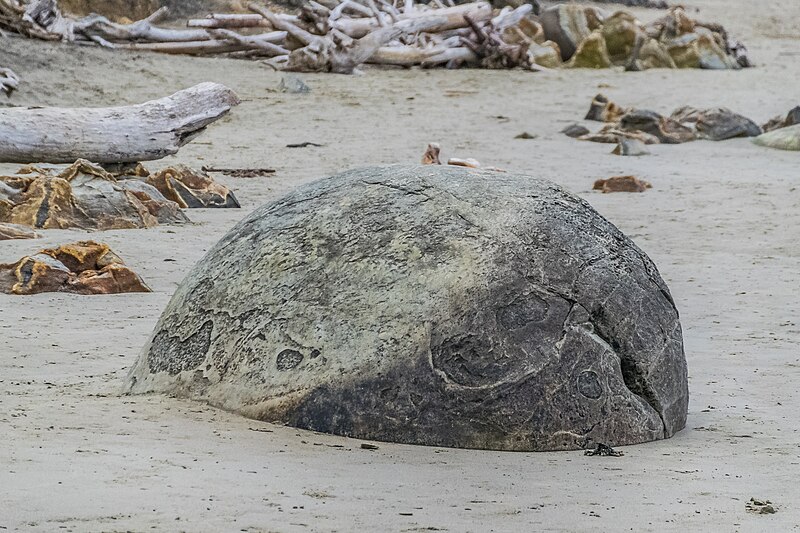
{"x":142,"y":132}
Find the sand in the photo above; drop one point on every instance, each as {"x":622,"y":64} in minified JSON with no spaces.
{"x":721,"y":223}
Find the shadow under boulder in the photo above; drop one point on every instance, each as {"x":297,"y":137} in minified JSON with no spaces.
{"x":429,"y":305}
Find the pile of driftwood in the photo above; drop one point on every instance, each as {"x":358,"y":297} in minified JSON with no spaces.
{"x":340,"y":35}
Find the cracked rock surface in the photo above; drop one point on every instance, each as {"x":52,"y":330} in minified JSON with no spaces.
{"x":429,"y":305}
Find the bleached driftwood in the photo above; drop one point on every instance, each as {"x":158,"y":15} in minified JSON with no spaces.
{"x":142,"y":132}
{"x":339,"y":35}
{"x":8,"y":81}
{"x":236,"y":20}
{"x":449,"y":18}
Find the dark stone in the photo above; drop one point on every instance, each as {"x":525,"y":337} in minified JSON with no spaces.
{"x":589,"y":384}
{"x":429,"y":305}
{"x":603,"y":110}
{"x":667,"y":130}
{"x":718,"y":124}
{"x":791,"y":118}
{"x":288,"y":359}
{"x":575,"y":130}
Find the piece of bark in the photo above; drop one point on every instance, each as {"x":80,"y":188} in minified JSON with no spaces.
{"x":621,"y":184}
{"x":575,"y":131}
{"x":142,"y":132}
{"x":241,"y":172}
{"x":431,"y":155}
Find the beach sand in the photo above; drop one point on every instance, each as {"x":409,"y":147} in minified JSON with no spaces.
{"x":721,"y":222}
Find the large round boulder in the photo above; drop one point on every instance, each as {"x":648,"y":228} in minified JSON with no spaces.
{"x":429,"y":305}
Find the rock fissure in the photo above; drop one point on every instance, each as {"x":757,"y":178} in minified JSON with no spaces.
{"x":633,"y":377}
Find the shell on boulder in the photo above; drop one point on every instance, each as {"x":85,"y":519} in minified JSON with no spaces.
{"x":429,"y":305}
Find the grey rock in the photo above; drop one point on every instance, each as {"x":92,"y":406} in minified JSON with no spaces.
{"x":717,"y":124}
{"x":787,"y":138}
{"x":666,"y":130}
{"x":569,"y":24}
{"x":629,"y":147}
{"x":575,"y":130}
{"x":429,"y":305}
{"x":791,"y":118}
{"x":293,"y":85}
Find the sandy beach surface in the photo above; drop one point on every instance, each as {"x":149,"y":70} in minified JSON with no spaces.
{"x":721,"y":222}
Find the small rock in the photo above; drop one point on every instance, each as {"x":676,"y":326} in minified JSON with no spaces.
{"x":575,"y":130}
{"x":758,"y":506}
{"x":16,"y":231}
{"x":629,"y":146}
{"x":782,"y":139}
{"x":190,"y":188}
{"x":591,"y":53}
{"x":603,"y":110}
{"x":84,"y":267}
{"x":621,"y":184}
{"x":525,"y":135}
{"x":293,"y":85}
{"x":620,"y":32}
{"x":368,"y":446}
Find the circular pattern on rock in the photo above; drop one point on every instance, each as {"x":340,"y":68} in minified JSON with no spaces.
{"x":589,"y":384}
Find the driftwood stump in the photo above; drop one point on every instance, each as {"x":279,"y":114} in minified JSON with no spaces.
{"x":142,"y":132}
